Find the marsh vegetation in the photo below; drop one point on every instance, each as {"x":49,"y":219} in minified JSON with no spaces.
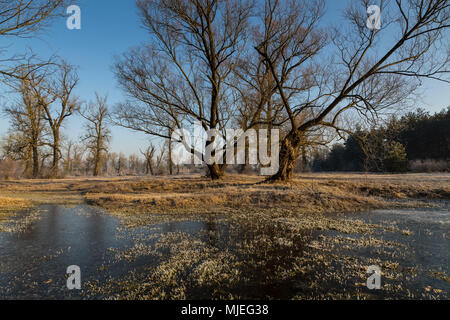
{"x":184,"y":238}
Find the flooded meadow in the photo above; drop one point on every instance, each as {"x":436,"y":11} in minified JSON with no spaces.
{"x":249,"y":255}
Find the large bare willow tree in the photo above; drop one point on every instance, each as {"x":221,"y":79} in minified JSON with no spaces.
{"x":181,"y":75}
{"x":326,"y":73}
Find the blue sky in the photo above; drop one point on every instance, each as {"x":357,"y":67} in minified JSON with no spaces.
{"x":110,"y":27}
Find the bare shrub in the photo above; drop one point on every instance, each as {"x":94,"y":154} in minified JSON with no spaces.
{"x":429,"y":165}
{"x":10,"y":169}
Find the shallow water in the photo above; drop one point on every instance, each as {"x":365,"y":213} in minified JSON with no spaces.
{"x":33,"y":263}
{"x":425,"y":245}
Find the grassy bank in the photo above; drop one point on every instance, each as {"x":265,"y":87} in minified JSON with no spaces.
{"x":8,"y":210}
{"x":10,"y":205}
{"x":311,"y":193}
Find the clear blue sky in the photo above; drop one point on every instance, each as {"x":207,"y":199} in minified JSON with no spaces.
{"x":110,"y":27}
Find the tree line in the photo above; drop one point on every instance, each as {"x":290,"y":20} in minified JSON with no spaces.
{"x":45,"y":102}
{"x":417,"y":141}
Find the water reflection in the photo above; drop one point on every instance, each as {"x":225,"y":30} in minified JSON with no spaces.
{"x":33,"y":263}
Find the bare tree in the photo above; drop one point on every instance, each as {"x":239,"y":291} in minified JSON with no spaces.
{"x":98,"y":134}
{"x":133,"y":164}
{"x":149,"y":155}
{"x":14,"y":147}
{"x":68,"y":158}
{"x":364,"y":75}
{"x":112,"y":159}
{"x":181,"y":77}
{"x":159,"y":160}
{"x":62,"y":106}
{"x":10,"y":169}
{"x":20,"y":18}
{"x":26,"y":117}
{"x":121,"y":164}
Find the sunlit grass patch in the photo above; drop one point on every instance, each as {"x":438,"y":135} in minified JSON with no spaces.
{"x":9,"y":205}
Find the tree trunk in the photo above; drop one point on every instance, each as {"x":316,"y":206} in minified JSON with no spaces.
{"x":55,"y":164}
{"x":289,"y":153}
{"x":28,"y":163}
{"x":170,"y":158}
{"x":304,"y":159}
{"x":96,"y":166}
{"x":68,"y":164}
{"x":215,"y":171}
{"x":245,"y":168}
{"x":35,"y":161}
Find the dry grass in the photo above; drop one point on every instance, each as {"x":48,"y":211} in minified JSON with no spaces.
{"x":310,"y":193}
{"x":10,"y":205}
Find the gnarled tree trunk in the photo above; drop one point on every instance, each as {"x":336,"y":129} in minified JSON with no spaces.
{"x":289,"y":153}
{"x":35,"y":161}
{"x":216,"y":171}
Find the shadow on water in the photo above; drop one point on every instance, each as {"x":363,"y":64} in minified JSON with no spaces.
{"x":33,"y":263}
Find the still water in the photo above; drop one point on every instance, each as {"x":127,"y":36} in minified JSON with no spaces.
{"x":33,"y":262}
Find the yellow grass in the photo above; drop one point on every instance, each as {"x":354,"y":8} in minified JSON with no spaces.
{"x":308,"y":193}
{"x":9,"y":205}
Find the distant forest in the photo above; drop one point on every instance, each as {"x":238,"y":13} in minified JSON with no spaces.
{"x":417,"y":141}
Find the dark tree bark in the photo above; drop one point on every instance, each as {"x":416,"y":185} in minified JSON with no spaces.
{"x":289,"y":153}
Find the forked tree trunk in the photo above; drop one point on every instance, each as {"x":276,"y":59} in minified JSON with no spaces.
{"x":216,"y":171}
{"x":289,"y":153}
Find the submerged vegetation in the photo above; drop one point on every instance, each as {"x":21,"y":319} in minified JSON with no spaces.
{"x":272,"y":255}
{"x":189,"y":238}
